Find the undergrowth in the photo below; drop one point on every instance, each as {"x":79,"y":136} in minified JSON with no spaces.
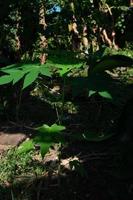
{"x":13,"y":165}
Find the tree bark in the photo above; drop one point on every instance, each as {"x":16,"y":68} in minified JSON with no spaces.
{"x":42,"y":38}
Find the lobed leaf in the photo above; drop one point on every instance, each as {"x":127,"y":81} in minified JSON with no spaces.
{"x":30,"y":78}
{"x":50,"y":129}
{"x":112,"y":62}
{"x":45,"y":71}
{"x":5,"y":79}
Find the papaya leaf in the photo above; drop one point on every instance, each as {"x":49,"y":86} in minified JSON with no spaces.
{"x":51,"y":129}
{"x":45,"y":71}
{"x":47,"y":137}
{"x":44,"y":148}
{"x":10,"y":67}
{"x":64,"y":61}
{"x":57,"y":128}
{"x":112,"y":62}
{"x":16,"y":75}
{"x":29,"y":67}
{"x":5,"y":79}
{"x":30,"y":78}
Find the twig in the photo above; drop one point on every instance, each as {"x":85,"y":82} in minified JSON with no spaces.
{"x":21,"y":125}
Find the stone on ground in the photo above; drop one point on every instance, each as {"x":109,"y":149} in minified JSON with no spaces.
{"x":10,"y":140}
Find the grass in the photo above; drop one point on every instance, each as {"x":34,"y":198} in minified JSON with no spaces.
{"x":13,"y":165}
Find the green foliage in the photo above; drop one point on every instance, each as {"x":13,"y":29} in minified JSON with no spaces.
{"x":105,"y":59}
{"x":108,"y":59}
{"x":29,"y":72}
{"x":62,"y":62}
{"x":46,"y":137}
{"x":112,"y":62}
{"x":12,"y":164}
{"x":5,"y":79}
{"x":50,"y":129}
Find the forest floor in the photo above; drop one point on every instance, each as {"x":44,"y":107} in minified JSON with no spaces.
{"x":103,"y":170}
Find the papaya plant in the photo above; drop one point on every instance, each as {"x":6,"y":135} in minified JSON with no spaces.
{"x":100,"y":61}
{"x":46,"y":137}
{"x":60,"y":63}
{"x":30,"y":72}
{"x":63,"y":62}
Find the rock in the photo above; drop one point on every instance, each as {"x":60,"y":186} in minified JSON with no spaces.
{"x":8,"y":141}
{"x":12,"y":139}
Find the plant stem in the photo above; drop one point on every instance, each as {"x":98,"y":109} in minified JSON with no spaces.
{"x":18,"y":105}
{"x":63,"y":100}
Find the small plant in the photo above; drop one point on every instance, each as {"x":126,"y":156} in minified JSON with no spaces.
{"x":46,"y":137}
{"x":100,"y":61}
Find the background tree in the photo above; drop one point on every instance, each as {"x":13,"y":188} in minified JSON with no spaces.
{"x":28,"y":28}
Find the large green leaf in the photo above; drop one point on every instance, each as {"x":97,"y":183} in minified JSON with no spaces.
{"x":111,"y":62}
{"x":30,"y":77}
{"x":5,"y":79}
{"x":29,"y":67}
{"x":45,"y":71}
{"x":16,"y":75}
{"x":47,"y":136}
{"x":64,"y":61}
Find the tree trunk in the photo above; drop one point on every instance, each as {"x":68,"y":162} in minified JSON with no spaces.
{"x":42,"y":38}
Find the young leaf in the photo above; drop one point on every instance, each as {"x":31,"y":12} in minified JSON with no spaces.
{"x":105,"y":94}
{"x":30,"y":77}
{"x":92,"y":92}
{"x":44,"y":147}
{"x":50,"y":129}
{"x":25,"y":147}
{"x":101,"y":84}
{"x":57,"y":128}
{"x":5,"y":79}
